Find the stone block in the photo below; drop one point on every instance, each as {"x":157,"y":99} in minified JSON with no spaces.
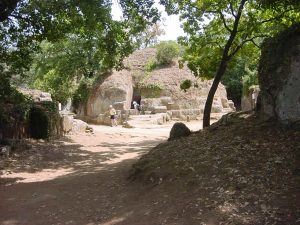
{"x":216,"y":108}
{"x":67,"y":123}
{"x":225,"y":102}
{"x":231,"y":105}
{"x":159,"y":109}
{"x":173,"y":106}
{"x":175,"y":113}
{"x":120,"y":105}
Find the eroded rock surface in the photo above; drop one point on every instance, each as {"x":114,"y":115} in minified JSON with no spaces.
{"x":279,"y":76}
{"x":135,"y":82}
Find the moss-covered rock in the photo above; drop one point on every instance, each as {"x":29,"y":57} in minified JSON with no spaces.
{"x":279,"y":76}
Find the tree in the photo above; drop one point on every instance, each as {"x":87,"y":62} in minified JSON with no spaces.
{"x":25,"y":23}
{"x":166,"y":52}
{"x":246,"y":60}
{"x":218,"y":29}
{"x":149,"y":37}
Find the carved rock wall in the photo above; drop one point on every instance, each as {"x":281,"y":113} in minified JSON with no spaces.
{"x":279,"y":76}
{"x":119,"y":87}
{"x":116,"y":89}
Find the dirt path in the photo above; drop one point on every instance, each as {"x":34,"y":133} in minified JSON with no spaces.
{"x":82,"y":179}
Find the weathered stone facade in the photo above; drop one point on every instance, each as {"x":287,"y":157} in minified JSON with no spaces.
{"x":122,"y":87}
{"x":116,"y":90}
{"x":279,"y":77}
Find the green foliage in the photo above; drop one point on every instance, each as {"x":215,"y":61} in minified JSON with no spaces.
{"x":186,"y":84}
{"x":151,"y":65}
{"x":246,"y":59}
{"x":249,"y":80}
{"x":82,"y":92}
{"x":60,"y":87}
{"x":150,"y":90}
{"x":209,"y":24}
{"x":85,"y":39}
{"x":49,"y":107}
{"x":149,"y":37}
{"x":218,"y":29}
{"x":166,"y":52}
{"x":276,"y":53}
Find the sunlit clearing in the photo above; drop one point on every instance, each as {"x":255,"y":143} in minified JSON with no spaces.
{"x":44,"y":175}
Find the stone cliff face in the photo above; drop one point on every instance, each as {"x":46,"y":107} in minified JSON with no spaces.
{"x":117,"y":88}
{"x":124,"y":86}
{"x":169,"y":79}
{"x":279,"y":76}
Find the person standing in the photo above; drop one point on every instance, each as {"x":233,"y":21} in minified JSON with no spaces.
{"x":136,"y":107}
{"x":113,"y":113}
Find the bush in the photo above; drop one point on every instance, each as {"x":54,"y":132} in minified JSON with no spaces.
{"x":82,"y":93}
{"x":185,"y":85}
{"x":249,"y":80}
{"x":166,"y":52}
{"x":151,"y":90}
{"x":151,"y":65}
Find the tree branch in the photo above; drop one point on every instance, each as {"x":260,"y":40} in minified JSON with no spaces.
{"x":224,"y":22}
{"x":244,"y":42}
{"x":255,"y":44}
{"x":231,"y":9}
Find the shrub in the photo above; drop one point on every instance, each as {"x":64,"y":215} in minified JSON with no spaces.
{"x":151,"y":90}
{"x":151,"y":65}
{"x":166,"y":52}
{"x":82,"y":92}
{"x":249,"y":80}
{"x":186,"y":84}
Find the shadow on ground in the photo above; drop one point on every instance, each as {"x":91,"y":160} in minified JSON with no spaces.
{"x":63,"y":182}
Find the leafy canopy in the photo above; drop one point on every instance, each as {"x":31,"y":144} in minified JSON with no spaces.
{"x":218,"y":29}
{"x":208,"y":24}
{"x":69,"y":24}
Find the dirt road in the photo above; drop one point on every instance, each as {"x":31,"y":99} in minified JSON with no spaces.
{"x":82,"y":179}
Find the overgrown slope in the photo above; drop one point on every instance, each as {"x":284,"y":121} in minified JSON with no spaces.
{"x":242,"y":170}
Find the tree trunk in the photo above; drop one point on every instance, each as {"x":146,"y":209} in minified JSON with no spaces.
{"x":211,"y":93}
{"x":223,"y":65}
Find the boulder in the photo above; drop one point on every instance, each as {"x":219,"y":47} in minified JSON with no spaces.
{"x":5,"y":150}
{"x":79,"y":126}
{"x":246,"y":103}
{"x":116,"y":89}
{"x":179,"y":130}
{"x":37,"y":95}
{"x":279,"y":77}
